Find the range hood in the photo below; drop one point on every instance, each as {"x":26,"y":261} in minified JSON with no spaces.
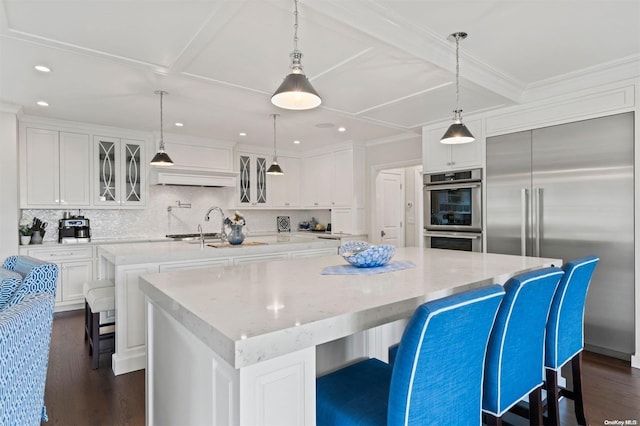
{"x":191,"y":177}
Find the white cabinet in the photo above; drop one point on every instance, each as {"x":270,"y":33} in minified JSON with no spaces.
{"x":334,"y":179}
{"x":441,"y":157}
{"x":252,"y":182}
{"x":75,"y":267}
{"x":120,"y":172}
{"x":284,"y":190}
{"x":55,"y":169}
{"x":318,"y":180}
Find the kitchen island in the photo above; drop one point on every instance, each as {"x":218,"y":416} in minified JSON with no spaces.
{"x":239,"y":345}
{"x":124,"y":263}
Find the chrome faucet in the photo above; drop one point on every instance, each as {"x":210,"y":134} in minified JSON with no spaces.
{"x":201,"y":236}
{"x":223,"y":235}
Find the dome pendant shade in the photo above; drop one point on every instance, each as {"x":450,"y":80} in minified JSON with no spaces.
{"x":296,"y":93}
{"x":161,"y":159}
{"x":274,"y":168}
{"x":457,"y":133}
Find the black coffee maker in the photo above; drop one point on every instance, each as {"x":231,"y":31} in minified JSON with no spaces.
{"x":74,"y":229}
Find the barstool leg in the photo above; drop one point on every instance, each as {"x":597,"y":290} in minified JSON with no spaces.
{"x":576,"y":370}
{"x":86,"y":320}
{"x":535,"y":407}
{"x":95,"y":337}
{"x":553,"y":396}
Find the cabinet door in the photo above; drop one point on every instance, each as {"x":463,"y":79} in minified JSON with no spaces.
{"x":318,"y":180}
{"x":469,"y":155}
{"x":342,"y":178}
{"x":74,"y":275}
{"x":284,"y":190}
{"x":132,"y":172}
{"x":253,"y":183}
{"x":107,"y":171}
{"x":437,"y":156}
{"x":42,"y":165}
{"x":75,"y":169}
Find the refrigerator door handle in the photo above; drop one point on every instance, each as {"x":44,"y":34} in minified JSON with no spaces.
{"x":524,"y":195}
{"x":538,"y":215}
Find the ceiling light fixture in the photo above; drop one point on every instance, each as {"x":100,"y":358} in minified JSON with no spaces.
{"x":274,"y":168}
{"x":296,"y":142}
{"x":457,"y":132}
{"x":178,"y":124}
{"x":161,"y":158}
{"x":342,"y":129}
{"x":43,"y":103}
{"x":42,"y":68}
{"x":296,"y":92}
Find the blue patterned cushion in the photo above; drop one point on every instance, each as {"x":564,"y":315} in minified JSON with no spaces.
{"x":10,"y":262}
{"x":515,"y":354}
{"x":39,"y":277}
{"x":9,"y":282}
{"x":25,"y":337}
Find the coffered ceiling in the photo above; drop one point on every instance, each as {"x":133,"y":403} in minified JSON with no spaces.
{"x":384,"y":68}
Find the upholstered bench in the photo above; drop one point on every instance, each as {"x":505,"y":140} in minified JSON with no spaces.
{"x":99,"y":297}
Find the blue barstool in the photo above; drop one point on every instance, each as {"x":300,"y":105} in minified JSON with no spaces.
{"x":437,"y":374}
{"x":515,"y":354}
{"x":565,"y":335}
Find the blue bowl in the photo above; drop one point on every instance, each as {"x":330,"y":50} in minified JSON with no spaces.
{"x":363,"y":255}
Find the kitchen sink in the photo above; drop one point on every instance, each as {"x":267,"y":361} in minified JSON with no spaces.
{"x":208,"y":237}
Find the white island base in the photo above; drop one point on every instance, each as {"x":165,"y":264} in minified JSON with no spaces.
{"x":189,"y":384}
{"x":239,"y":347}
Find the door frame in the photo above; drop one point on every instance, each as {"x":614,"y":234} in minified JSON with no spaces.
{"x":373,"y":173}
{"x":376,"y":238}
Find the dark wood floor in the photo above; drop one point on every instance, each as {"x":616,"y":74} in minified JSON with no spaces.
{"x":77,"y":395}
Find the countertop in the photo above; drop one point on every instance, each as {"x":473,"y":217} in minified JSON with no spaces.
{"x":260,"y":311}
{"x":168,"y":251}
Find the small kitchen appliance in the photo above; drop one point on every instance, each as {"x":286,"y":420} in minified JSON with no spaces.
{"x":75,"y":229}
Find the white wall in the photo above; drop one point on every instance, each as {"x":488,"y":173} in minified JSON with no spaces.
{"x":9,"y":211}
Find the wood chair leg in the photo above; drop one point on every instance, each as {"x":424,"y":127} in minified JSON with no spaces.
{"x":535,"y":407}
{"x":491,"y":420}
{"x":86,"y":320}
{"x":95,"y":337}
{"x":576,"y":370}
{"x":553,"y":396}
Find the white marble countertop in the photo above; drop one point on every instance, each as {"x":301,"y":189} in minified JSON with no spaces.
{"x":260,"y":311}
{"x":168,"y":251}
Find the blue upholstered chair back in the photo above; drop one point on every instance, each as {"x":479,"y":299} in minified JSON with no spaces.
{"x":565,"y":331}
{"x":25,"y":336}
{"x":437,"y":374}
{"x":38,"y":276}
{"x":515,"y":354}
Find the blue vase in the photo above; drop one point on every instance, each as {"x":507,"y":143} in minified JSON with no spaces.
{"x":236,"y":236}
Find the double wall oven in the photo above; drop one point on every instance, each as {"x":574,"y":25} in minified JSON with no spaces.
{"x":453,"y":210}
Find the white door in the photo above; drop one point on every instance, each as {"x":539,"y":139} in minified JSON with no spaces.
{"x":390,"y":207}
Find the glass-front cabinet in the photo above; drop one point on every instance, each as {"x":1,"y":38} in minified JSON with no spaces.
{"x":120,"y":172}
{"x":252,"y":182}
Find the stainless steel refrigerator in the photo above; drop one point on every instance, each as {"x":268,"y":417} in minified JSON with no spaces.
{"x":567,"y":191}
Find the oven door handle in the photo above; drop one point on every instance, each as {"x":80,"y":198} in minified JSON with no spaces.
{"x":452,"y":186}
{"x":455,"y":235}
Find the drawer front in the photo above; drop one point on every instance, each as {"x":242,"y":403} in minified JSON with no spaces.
{"x":61,"y":254}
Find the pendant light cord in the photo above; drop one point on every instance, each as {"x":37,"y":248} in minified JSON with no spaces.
{"x":295,"y":26}
{"x":275,"y":155}
{"x":457,"y":72}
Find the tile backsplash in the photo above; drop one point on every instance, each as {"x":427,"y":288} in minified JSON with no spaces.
{"x":156,"y":220}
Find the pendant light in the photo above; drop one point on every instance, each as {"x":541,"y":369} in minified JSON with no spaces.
{"x":296,"y":92}
{"x":161,"y":158}
{"x":457,"y":132}
{"x":274,"y":168}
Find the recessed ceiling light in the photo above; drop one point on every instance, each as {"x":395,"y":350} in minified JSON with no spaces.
{"x":296,"y":141}
{"x":42,"y":68}
{"x":42,"y":103}
{"x":243,"y":134}
{"x":179,"y":124}
{"x":342,"y":129}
